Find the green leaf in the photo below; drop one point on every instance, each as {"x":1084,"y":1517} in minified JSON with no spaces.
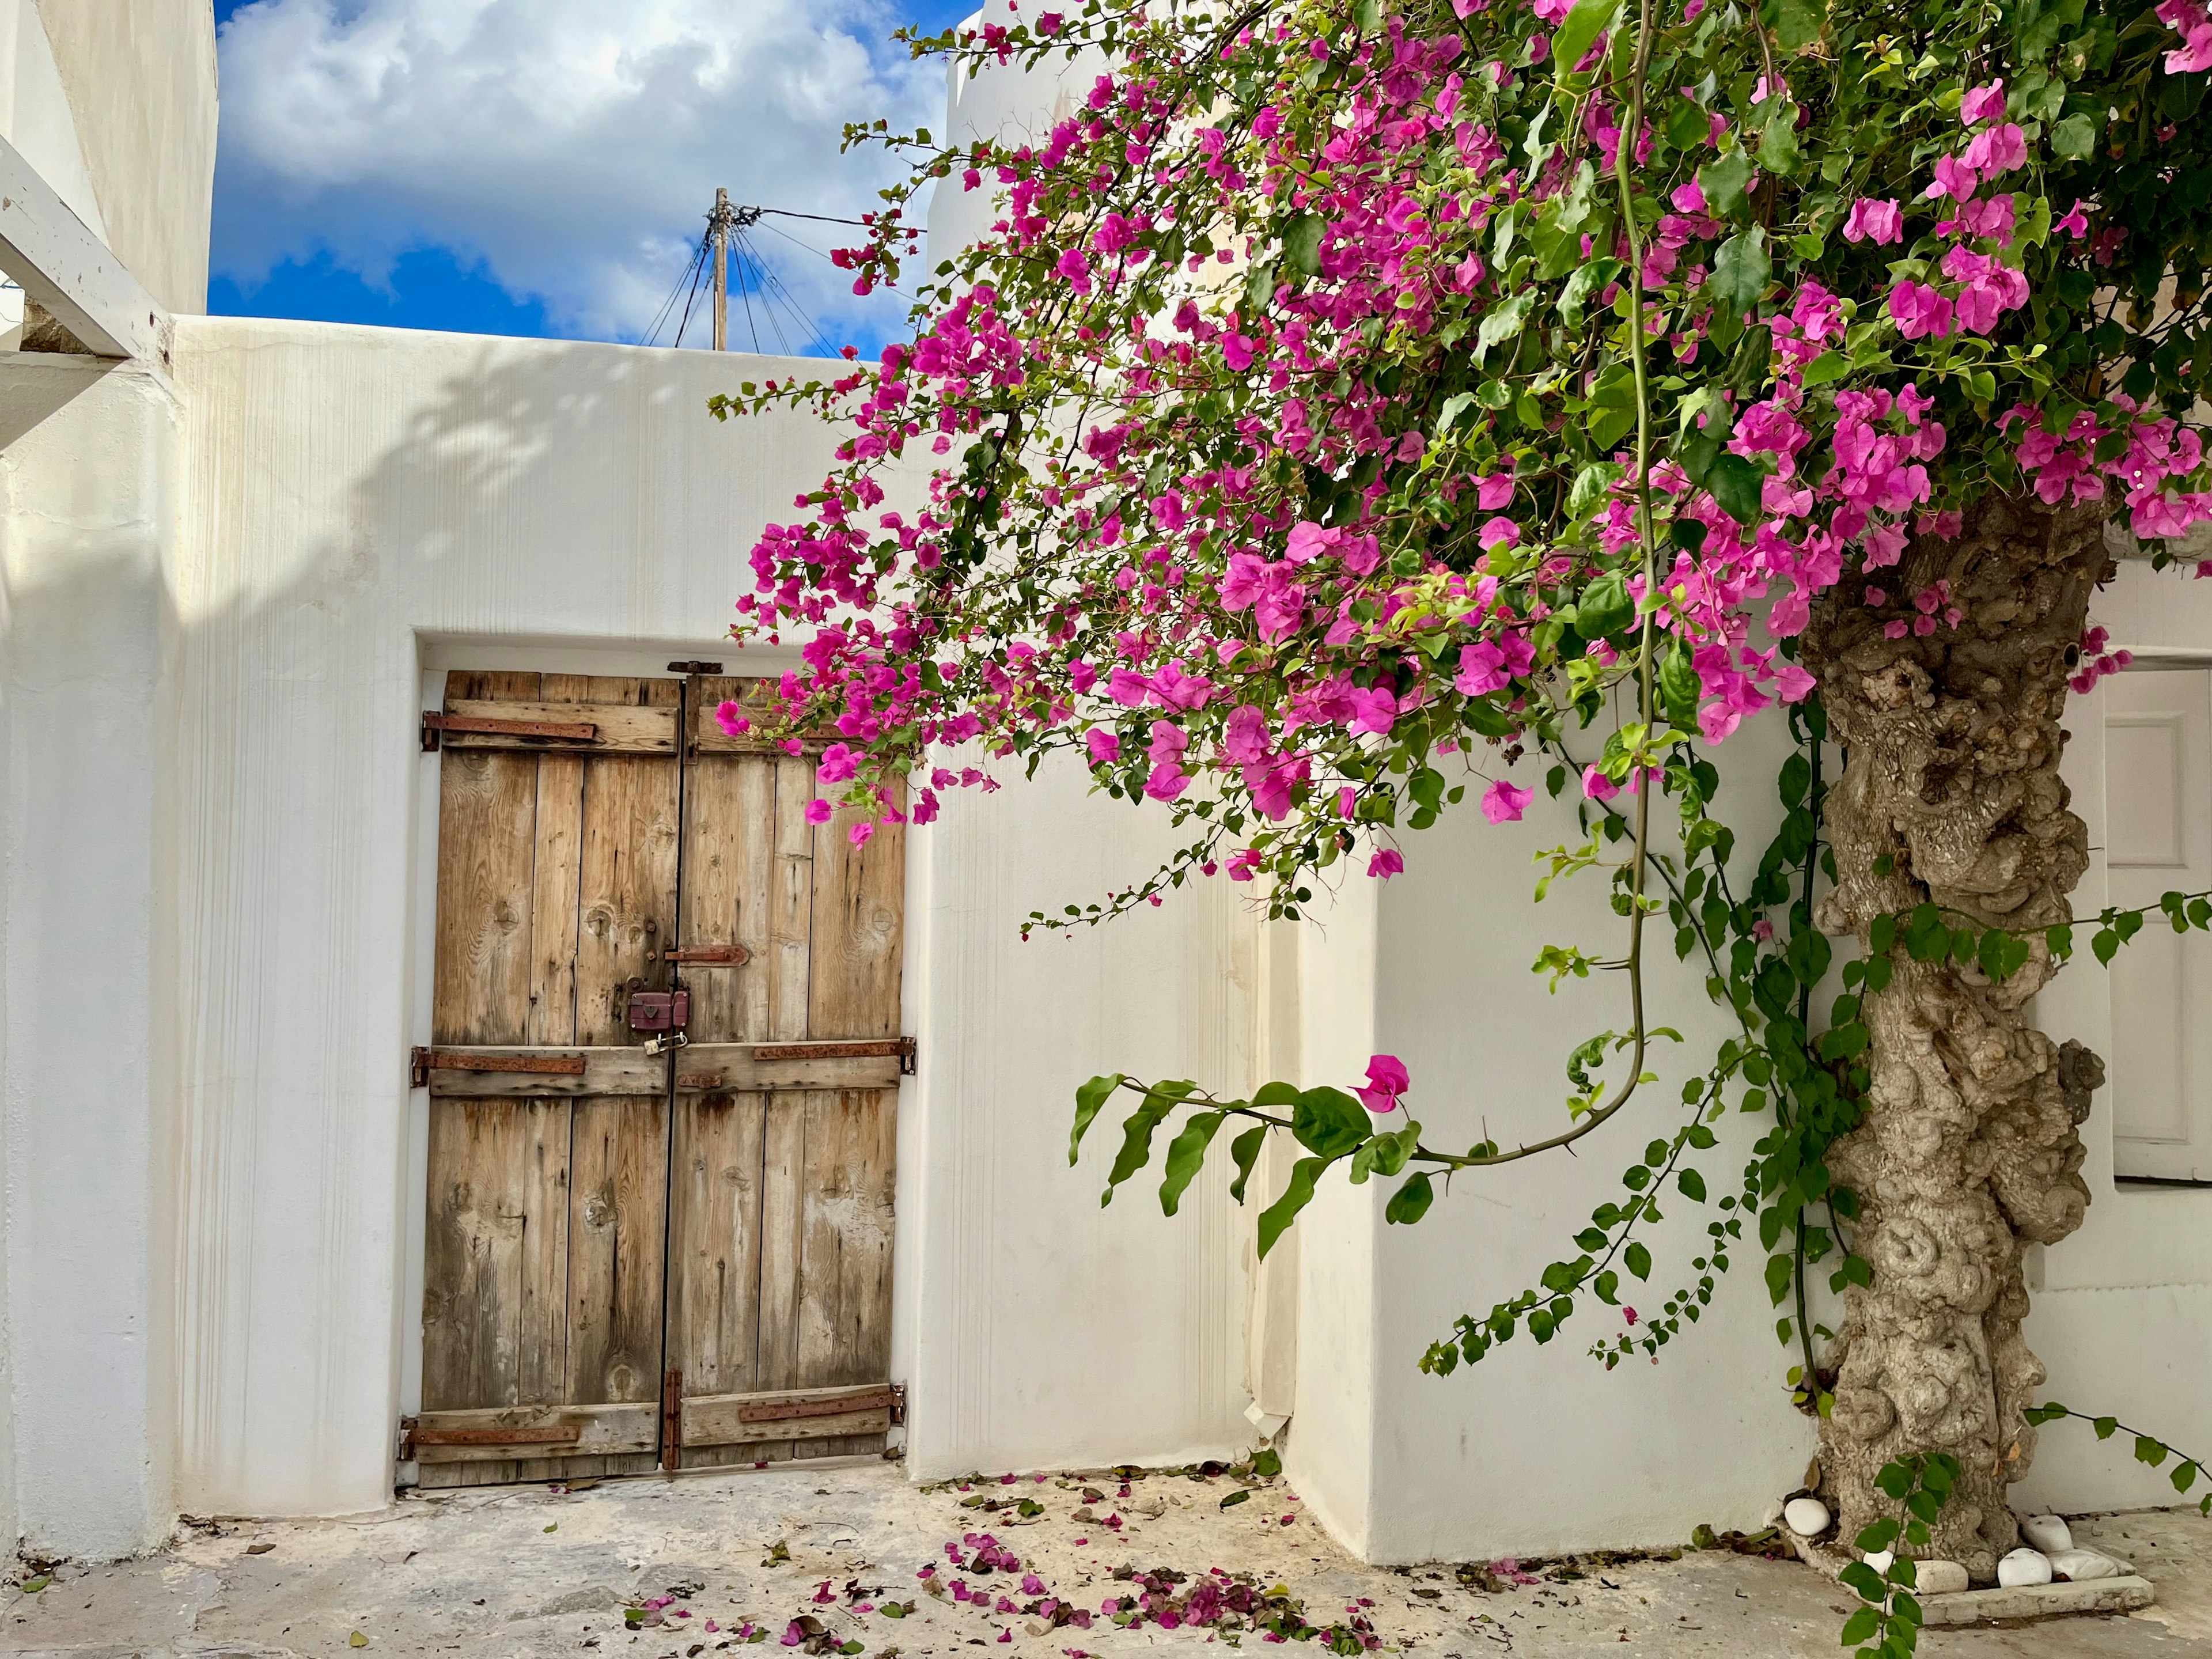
{"x":1410,"y":1202}
{"x":1328,"y":1122}
{"x":1450,"y":412}
{"x":1296,"y":1194}
{"x":1186,"y":1153}
{"x":1302,"y":243}
{"x":1861,"y":1625}
{"x":1241,"y":1495}
{"x":1692,"y":1185}
{"x":1589,"y":278}
{"x":1604,"y":607}
{"x":1740,"y":269}
{"x":1089,"y":1099}
{"x":1779,"y":1269}
{"x":1578,"y":32}
{"x":1738,"y":485}
{"x":1723,"y":182}
{"x":1245,"y":1149}
{"x":1777,"y":144}
{"x":1267,"y":1463}
{"x":1637,"y":1258}
{"x":1798,"y":23}
{"x":1502,"y":323}
{"x":2074,"y":137}
{"x":1136,"y":1133}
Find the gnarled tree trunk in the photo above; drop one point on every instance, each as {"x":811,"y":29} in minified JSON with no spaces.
{"x":1951,"y":793}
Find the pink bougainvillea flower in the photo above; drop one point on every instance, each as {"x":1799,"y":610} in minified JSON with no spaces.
{"x":1386,"y":864}
{"x":1492,"y":491}
{"x":1597,"y":785}
{"x":1878,"y":222}
{"x":858,"y":833}
{"x":1386,"y":1079}
{"x":727,"y":717}
{"x":1920,"y":312}
{"x":838,"y":765}
{"x":1983,"y":104}
{"x":1105,"y":746}
{"x":1504,"y":801}
{"x":820,"y":811}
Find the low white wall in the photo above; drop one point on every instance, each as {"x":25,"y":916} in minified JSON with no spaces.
{"x":88,"y":502}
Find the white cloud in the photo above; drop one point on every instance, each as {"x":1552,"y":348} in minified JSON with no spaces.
{"x":572,"y":145}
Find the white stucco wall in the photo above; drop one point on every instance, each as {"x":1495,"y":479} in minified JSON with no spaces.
{"x":2122,"y":1319}
{"x":88,"y":503}
{"x":139,"y":76}
{"x":357,"y":498}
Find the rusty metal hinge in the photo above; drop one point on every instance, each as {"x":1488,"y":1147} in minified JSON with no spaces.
{"x":406,"y":1447}
{"x":694,"y":667}
{"x":672,"y":1421}
{"x":898,"y":1405}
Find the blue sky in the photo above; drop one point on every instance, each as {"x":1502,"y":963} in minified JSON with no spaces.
{"x":543,"y":167}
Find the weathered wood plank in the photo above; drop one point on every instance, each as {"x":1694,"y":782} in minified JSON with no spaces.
{"x":487,"y":815}
{"x":783,"y":1217}
{"x":791,"y":903}
{"x":598,"y":1430}
{"x":722,"y":1068}
{"x":627,"y":884}
{"x":715,"y":1421}
{"x":714,"y":1277}
{"x":623,"y":728}
{"x":741,"y":1066}
{"x":706,"y":736}
{"x":556,"y":903}
{"x":609,"y":1070}
{"x":616,"y":1247}
{"x":859,"y":908}
{"x":495,"y":1292}
{"x":844,"y":1322}
{"x":729,"y":859}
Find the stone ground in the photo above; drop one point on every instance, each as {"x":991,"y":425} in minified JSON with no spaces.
{"x":531,"y":1571}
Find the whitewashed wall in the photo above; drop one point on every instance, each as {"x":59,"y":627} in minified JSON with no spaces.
{"x":362,"y":501}
{"x":2123,"y":1315}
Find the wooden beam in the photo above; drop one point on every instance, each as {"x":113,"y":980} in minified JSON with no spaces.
{"x":70,"y":273}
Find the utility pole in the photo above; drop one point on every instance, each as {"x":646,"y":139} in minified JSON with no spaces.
{"x":723,"y":221}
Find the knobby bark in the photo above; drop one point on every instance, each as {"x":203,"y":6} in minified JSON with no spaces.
{"x":1968,"y":1150}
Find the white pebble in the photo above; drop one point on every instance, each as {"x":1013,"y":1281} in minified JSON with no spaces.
{"x":1940,"y":1577}
{"x":2047,"y":1532}
{"x":2077,"y":1566}
{"x":1880,"y":1559}
{"x":1807,"y":1517}
{"x":2023,"y":1568}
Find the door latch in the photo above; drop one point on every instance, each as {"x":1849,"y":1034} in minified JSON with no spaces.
{"x":662,"y":1015}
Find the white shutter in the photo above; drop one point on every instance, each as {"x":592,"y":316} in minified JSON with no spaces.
{"x":2158,"y":836}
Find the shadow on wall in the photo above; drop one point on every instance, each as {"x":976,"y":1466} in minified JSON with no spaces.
{"x":351,"y":492}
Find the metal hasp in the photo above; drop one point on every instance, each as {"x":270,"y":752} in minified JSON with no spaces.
{"x":710,"y":956}
{"x":694,"y":666}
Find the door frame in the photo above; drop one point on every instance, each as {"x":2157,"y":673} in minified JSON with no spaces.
{"x":435,"y":658}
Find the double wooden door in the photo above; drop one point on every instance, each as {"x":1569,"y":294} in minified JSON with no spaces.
{"x":641,"y":1255}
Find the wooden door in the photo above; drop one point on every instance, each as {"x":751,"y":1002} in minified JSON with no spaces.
{"x":602,"y":1295}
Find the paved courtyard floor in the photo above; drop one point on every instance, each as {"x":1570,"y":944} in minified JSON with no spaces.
{"x":828,"y":1557}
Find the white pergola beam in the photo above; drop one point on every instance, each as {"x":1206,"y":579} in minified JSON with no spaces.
{"x":70,"y":273}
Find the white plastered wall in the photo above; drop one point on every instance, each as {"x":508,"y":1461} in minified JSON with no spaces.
{"x":88,"y":511}
{"x":358,"y":497}
{"x":2123,"y":1314}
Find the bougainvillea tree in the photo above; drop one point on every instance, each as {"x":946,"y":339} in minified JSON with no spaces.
{"x":1354,"y":398}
